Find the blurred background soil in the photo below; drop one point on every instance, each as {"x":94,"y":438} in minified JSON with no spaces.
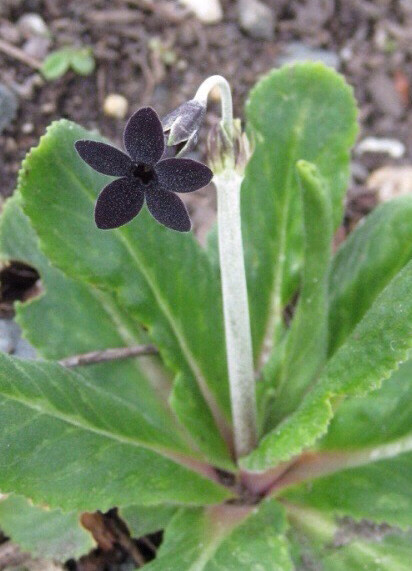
{"x":157,"y":52}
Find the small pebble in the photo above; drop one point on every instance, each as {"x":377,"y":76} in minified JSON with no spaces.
{"x":380,"y":38}
{"x":31,"y":25}
{"x":181,"y":65}
{"x":256,"y":19}
{"x":37,"y":47}
{"x":27,"y":128}
{"x":392,"y":147}
{"x":48,"y":108}
{"x":346,"y":53}
{"x":116,"y":106}
{"x":207,"y":11}
{"x":10,"y":145}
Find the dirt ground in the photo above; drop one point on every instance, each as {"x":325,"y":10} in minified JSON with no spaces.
{"x":154,"y":52}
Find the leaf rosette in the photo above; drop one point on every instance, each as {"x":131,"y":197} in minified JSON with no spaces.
{"x":153,"y":436}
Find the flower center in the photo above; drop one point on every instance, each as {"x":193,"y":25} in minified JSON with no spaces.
{"x":144,"y":173}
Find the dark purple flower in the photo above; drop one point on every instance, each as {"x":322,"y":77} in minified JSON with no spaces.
{"x":144,"y":176}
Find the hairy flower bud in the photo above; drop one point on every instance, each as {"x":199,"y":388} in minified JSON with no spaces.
{"x":181,"y":126}
{"x":224,"y":154}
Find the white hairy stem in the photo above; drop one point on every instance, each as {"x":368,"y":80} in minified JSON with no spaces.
{"x":232,"y":267}
{"x":236,"y":312}
{"x":225,"y":99}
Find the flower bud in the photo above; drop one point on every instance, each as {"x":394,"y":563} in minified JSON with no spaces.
{"x":181,"y":127}
{"x":225,"y":154}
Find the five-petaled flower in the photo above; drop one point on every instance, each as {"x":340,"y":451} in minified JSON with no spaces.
{"x":144,"y":175}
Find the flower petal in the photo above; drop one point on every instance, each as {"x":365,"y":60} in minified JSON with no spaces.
{"x":103,"y":158}
{"x":182,"y":175}
{"x":119,"y":202}
{"x":143,"y":137}
{"x":169,"y":210}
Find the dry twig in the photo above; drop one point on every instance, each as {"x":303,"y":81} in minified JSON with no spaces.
{"x":20,"y":55}
{"x":108,"y":355}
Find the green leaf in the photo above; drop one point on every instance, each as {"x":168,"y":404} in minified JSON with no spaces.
{"x":198,"y":419}
{"x":49,"y":534}
{"x":373,"y":350}
{"x":68,"y":442}
{"x":225,"y":537}
{"x":159,"y":278}
{"x":323,"y":544}
{"x":305,"y":111}
{"x":382,"y":416}
{"x":306,"y":342}
{"x":374,"y":430}
{"x":56,"y":64}
{"x":82,"y":319}
{"x":82,"y":61}
{"x":393,"y":553}
{"x":380,"y":491}
{"x":142,"y":520}
{"x":366,"y":262}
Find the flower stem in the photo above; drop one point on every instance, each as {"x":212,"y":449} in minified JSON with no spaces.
{"x":225,"y":99}
{"x":236,"y":312}
{"x":232,"y":267}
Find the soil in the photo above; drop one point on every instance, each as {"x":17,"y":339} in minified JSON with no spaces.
{"x":154,"y":52}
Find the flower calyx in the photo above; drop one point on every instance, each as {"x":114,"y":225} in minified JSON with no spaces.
{"x":228,"y":153}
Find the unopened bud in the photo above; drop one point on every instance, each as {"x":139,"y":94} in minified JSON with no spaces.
{"x":224,"y":154}
{"x":181,"y":126}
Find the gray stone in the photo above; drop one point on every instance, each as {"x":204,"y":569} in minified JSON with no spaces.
{"x":24,"y":350}
{"x":297,"y":51}
{"x":8,"y":106}
{"x":11,"y":341}
{"x":37,"y":47}
{"x":9,"y":335}
{"x":256,"y":19}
